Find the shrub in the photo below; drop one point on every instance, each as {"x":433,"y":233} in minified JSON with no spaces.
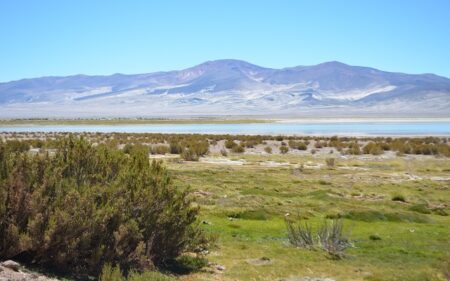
{"x":159,"y":149}
{"x":373,"y":148}
{"x":189,"y":155}
{"x":297,"y":145}
{"x":330,"y":162}
{"x":398,"y":197}
{"x":187,"y":264}
{"x":230,"y":144}
{"x":300,"y":234}
{"x":268,"y":149}
{"x":110,"y":273}
{"x":175,"y":148}
{"x":238,"y":149}
{"x":374,"y":237}
{"x":354,"y":149}
{"x":87,"y":206}
{"x":284,"y":149}
{"x":332,"y":238}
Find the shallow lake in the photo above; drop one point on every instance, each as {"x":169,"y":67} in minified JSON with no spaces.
{"x":331,"y":128}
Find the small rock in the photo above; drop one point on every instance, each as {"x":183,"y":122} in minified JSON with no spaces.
{"x":220,"y":267}
{"x":11,"y":265}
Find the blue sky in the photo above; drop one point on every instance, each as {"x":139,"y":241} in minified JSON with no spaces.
{"x":54,"y":37}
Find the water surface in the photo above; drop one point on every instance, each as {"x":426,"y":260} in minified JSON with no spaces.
{"x":331,"y":128}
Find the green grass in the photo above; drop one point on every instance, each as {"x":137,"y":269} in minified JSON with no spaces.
{"x":246,"y":206}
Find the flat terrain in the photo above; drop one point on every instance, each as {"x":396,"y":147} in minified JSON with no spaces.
{"x":395,"y":205}
{"x":244,"y":199}
{"x":133,"y":121}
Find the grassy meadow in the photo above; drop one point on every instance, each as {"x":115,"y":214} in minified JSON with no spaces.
{"x":245,"y":206}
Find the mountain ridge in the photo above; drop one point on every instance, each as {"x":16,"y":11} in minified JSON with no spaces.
{"x":229,"y":87}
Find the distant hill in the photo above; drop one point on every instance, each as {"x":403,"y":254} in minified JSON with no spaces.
{"x":231,"y":87}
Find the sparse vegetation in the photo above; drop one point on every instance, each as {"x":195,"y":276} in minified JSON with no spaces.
{"x":329,"y":236}
{"x":284,"y":149}
{"x":330,"y":162}
{"x":332,"y":239}
{"x":245,"y":205}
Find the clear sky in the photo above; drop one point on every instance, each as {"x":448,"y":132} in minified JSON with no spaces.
{"x":64,"y":37}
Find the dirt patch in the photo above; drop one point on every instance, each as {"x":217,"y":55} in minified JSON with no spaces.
{"x":222,"y":161}
{"x":274,"y":164}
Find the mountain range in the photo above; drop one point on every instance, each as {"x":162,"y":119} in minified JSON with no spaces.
{"x":231,"y":87}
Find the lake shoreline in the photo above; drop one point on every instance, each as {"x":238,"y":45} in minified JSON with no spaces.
{"x":373,"y":128}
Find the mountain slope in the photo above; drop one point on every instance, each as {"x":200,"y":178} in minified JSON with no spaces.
{"x":231,"y":87}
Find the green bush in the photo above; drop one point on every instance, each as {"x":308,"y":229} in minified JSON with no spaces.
{"x":238,"y":149}
{"x":284,"y":149}
{"x":374,"y":237}
{"x":398,"y":197}
{"x":230,"y":144}
{"x":110,"y":273}
{"x":297,"y":145}
{"x":159,"y":149}
{"x":187,"y":264}
{"x":373,"y":148}
{"x":87,"y":206}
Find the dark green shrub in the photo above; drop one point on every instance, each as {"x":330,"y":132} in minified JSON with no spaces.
{"x":398,"y":197}
{"x":374,"y":237}
{"x":187,"y":264}
{"x":87,"y":206}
